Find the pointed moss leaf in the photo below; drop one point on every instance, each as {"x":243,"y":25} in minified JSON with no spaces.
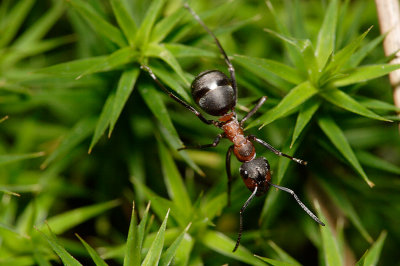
{"x":215,"y":206}
{"x":220,"y":243}
{"x":36,"y":48}
{"x":376,"y":104}
{"x":172,"y":82}
{"x":169,"y":254}
{"x":181,"y":50}
{"x":66,"y":258}
{"x":93,"y":254}
{"x":356,"y":58}
{"x":281,"y":70}
{"x":157,"y":106}
{"x":283,"y":254}
{"x":118,"y":58}
{"x":373,"y":161}
{"x":145,"y":29}
{"x":293,"y":52}
{"x":125,"y":87}
{"x":40,"y":258}
{"x":327,"y":34}
{"x":12,"y":158}
{"x":160,"y":51}
{"x":142,"y":228}
{"x":124,"y":19}
{"x":40,"y":27}
{"x":283,"y":85}
{"x":159,"y":205}
{"x":274,"y":262}
{"x":307,"y":111}
{"x":154,"y":253}
{"x":133,"y":246}
{"x":99,"y":24}
{"x":103,"y":121}
{"x":14,"y":20}
{"x":174,"y":144}
{"x":306,"y":61}
{"x":67,"y":220}
{"x":330,"y":245}
{"x":72,"y":68}
{"x":293,"y":99}
{"x":173,"y":180}
{"x":165,"y":26}
{"x":365,"y":73}
{"x":342,"y":56}
{"x":341,"y":201}
{"x":336,"y":136}
{"x":372,"y":255}
{"x":343,"y":100}
{"x":76,"y":135}
{"x":5,"y":190}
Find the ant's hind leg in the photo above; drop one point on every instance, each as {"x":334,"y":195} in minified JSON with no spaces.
{"x":228,"y":172}
{"x":277,"y":152}
{"x":212,"y":145}
{"x":170,"y":94}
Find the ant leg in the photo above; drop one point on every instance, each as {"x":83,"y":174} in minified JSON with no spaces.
{"x":241,"y":218}
{"x":312,"y":215}
{"x":228,"y":172}
{"x":254,"y":110}
{"x":214,"y":144}
{"x":227,"y":61}
{"x":170,"y":94}
{"x":279,"y":153}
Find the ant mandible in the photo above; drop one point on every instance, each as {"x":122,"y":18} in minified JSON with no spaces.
{"x":216,"y":95}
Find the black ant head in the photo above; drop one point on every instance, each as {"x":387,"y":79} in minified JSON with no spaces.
{"x":256,"y":173}
{"x":212,"y":90}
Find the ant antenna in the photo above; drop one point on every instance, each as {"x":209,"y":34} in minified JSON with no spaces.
{"x":312,"y":215}
{"x":241,"y":218}
{"x":227,"y":61}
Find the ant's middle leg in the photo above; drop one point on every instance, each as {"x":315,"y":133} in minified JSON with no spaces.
{"x":277,"y":152}
{"x":254,"y":110}
{"x":170,"y":94}
{"x":212,"y":145}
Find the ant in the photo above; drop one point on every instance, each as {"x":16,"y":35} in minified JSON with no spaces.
{"x":216,"y":94}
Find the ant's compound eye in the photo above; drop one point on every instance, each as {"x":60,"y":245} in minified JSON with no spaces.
{"x":244,"y":173}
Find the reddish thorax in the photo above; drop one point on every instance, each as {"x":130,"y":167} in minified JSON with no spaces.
{"x":243,"y":148}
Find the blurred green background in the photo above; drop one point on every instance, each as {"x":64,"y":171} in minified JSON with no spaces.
{"x":71,"y":83}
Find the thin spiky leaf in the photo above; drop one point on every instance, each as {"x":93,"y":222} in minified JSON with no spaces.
{"x":306,"y":112}
{"x":125,"y":20}
{"x":327,"y":34}
{"x":154,"y":253}
{"x":365,"y":73}
{"x":336,"y":136}
{"x":293,"y":99}
{"x":93,"y":254}
{"x":343,"y":100}
{"x":125,"y":87}
{"x":99,"y":24}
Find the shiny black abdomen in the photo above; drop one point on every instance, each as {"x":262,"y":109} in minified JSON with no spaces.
{"x":213,"y":92}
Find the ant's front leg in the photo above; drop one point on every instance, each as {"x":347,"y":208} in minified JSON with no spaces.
{"x":212,"y":145}
{"x":277,"y":152}
{"x":170,"y":94}
{"x":254,"y":110}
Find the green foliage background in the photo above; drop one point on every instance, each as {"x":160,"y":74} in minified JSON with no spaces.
{"x":71,"y":83}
